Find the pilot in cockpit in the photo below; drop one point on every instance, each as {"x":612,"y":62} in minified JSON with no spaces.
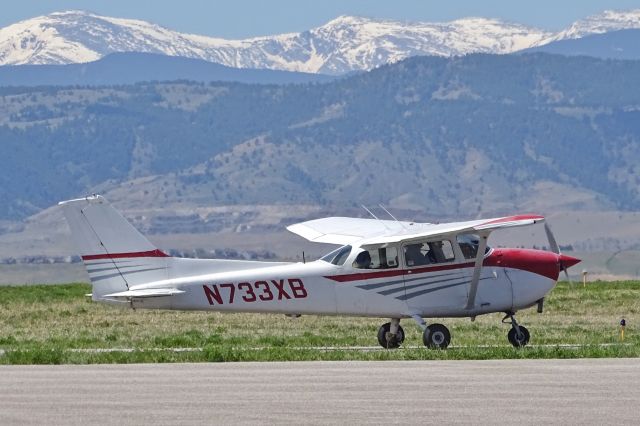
{"x":363,"y":261}
{"x":413,"y":255}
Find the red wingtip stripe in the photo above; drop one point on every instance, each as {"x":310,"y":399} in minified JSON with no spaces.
{"x":515,"y":218}
{"x":151,"y":253}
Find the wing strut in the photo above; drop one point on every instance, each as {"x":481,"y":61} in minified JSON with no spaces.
{"x":477,"y":269}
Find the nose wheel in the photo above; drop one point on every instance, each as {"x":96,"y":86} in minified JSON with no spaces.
{"x":518,"y":335}
{"x":518,"y":340}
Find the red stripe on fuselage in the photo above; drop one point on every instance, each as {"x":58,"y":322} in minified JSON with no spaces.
{"x":537,"y":261}
{"x":151,"y":253}
{"x":395,"y":272}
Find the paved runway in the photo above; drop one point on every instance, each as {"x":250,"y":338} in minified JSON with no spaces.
{"x":594,"y":391}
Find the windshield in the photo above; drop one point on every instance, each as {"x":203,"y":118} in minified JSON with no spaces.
{"x":469,"y":245}
{"x":338,"y":256}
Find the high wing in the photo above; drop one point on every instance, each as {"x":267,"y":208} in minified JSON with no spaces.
{"x":348,"y":230}
{"x":484,"y":226}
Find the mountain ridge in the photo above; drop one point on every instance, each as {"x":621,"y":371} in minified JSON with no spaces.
{"x":134,"y":67}
{"x":621,"y":44}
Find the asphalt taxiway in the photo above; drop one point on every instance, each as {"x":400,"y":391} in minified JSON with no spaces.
{"x":576,"y":391}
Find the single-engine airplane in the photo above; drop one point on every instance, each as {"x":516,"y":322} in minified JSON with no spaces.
{"x":383,"y":269}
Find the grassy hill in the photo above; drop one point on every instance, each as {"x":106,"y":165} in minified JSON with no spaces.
{"x":469,"y":135}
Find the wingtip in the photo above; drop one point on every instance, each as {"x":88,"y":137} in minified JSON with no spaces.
{"x":88,"y":198}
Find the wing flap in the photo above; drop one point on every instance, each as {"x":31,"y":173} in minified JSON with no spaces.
{"x":345,"y":230}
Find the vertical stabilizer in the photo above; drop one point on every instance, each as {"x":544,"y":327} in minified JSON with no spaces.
{"x":115,"y":254}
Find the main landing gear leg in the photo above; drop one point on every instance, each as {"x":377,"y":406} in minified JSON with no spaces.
{"x":391,"y":335}
{"x":518,"y":335}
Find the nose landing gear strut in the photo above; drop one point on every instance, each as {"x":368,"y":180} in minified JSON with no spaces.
{"x":518,"y":335}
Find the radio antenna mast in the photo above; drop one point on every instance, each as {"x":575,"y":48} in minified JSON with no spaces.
{"x":392,"y":216}
{"x":369,"y":211}
{"x":374,"y":216}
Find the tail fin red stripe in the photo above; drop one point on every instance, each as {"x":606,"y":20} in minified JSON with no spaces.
{"x":152,"y":253}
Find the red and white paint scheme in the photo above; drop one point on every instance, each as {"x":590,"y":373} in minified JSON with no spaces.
{"x":384,"y":268}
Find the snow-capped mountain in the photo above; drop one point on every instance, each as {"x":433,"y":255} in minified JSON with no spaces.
{"x":77,"y":36}
{"x":342,"y":45}
{"x":607,"y":21}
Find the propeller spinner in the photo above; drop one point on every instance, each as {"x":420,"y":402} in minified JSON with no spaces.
{"x":564,"y":261}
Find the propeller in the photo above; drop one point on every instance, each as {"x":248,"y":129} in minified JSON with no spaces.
{"x":564,"y":261}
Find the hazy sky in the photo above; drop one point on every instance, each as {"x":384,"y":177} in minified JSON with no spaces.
{"x":245,"y":18}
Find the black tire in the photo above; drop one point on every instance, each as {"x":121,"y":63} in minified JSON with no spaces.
{"x":393,"y":343}
{"x":436,"y":336}
{"x":519,"y":341}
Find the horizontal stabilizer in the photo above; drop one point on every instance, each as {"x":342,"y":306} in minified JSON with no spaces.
{"x":145,"y":293}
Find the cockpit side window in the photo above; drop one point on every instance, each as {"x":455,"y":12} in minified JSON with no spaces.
{"x":377,"y":258}
{"x":426,"y":253}
{"x":338,"y":256}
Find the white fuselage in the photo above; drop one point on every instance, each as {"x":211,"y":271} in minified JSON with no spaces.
{"x":323,"y":288}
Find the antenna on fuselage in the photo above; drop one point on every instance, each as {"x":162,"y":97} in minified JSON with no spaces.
{"x":392,"y":216}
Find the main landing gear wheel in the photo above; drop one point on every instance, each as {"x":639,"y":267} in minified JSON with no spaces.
{"x":521,"y":339}
{"x":387,"y":340}
{"x":436,"y":336}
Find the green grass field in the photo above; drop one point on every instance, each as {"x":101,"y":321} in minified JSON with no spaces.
{"x":57,"y":325}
